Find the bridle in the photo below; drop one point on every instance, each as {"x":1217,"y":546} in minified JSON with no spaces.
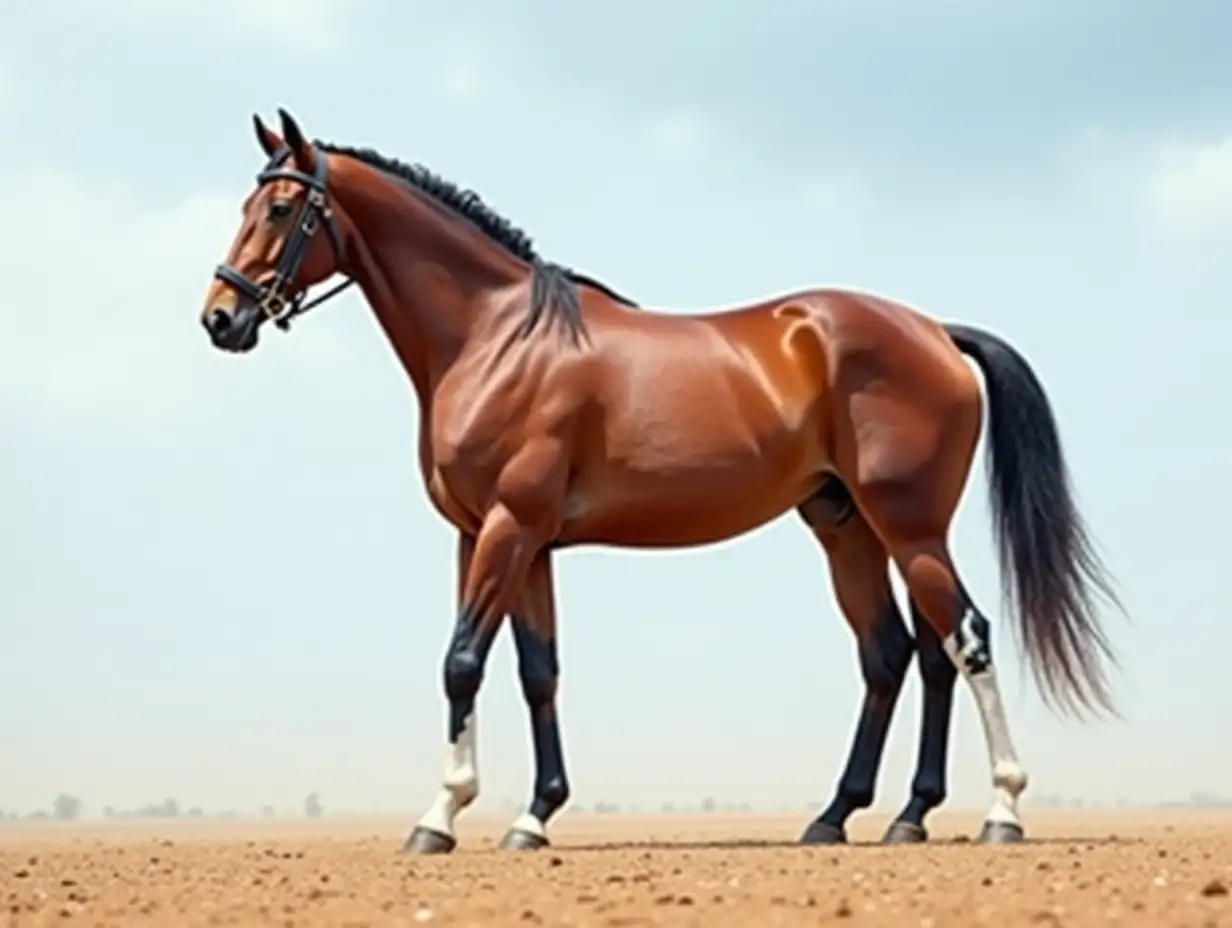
{"x":276,"y":299}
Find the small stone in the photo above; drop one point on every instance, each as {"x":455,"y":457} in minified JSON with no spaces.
{"x":1215,"y":888}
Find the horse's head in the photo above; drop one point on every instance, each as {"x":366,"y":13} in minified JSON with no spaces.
{"x":277,"y":254}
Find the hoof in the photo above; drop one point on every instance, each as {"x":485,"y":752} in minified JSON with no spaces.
{"x":905,"y":833}
{"x":518,"y":839}
{"x":1001,"y":833}
{"x":820,"y":833}
{"x":426,"y":841}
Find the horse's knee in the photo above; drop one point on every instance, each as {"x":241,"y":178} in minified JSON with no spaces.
{"x":463,"y":674}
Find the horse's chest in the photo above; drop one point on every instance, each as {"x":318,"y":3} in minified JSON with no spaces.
{"x":470,"y":445}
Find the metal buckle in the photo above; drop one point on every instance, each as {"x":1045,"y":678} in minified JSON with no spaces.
{"x":274,"y":304}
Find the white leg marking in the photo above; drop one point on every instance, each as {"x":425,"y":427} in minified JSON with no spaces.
{"x":970,"y":654}
{"x":528,"y":823}
{"x":460,"y":784}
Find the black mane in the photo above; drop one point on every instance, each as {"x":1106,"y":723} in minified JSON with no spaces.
{"x":554,"y":294}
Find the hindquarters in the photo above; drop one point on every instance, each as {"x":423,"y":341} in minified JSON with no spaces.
{"x":905,"y":411}
{"x":907,"y":417}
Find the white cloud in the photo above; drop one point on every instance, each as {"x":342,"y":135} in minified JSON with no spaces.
{"x":1189,"y":185}
{"x":91,"y":281}
{"x":100,"y":300}
{"x":308,"y":25}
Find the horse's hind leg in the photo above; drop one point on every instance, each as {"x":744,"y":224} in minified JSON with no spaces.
{"x":913,"y":458}
{"x":928,"y":786}
{"x":859,"y":567}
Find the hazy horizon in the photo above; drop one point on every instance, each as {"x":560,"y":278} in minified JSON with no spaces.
{"x":509,"y":805}
{"x":172,"y":625}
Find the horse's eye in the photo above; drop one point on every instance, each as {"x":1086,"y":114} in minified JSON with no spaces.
{"x":279,"y":209}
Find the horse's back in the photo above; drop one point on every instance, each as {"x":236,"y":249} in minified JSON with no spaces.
{"x":801,"y":339}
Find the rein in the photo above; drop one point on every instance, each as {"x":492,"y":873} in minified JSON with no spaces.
{"x":276,"y":299}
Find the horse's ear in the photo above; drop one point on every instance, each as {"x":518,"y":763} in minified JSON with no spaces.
{"x":267,"y":138}
{"x":302,"y":150}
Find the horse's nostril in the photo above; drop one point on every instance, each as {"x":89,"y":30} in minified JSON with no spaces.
{"x":219,"y":322}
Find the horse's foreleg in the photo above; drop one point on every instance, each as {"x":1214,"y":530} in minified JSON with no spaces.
{"x":534,"y":631}
{"x":465,"y":657}
{"x":492,"y":570}
{"x":523,"y":517}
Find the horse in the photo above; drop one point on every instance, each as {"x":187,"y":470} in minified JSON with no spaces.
{"x":555,"y":413}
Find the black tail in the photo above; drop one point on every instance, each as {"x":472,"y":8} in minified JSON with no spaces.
{"x":1049,"y":564}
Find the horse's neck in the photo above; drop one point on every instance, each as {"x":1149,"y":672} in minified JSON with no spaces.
{"x":426,"y":279}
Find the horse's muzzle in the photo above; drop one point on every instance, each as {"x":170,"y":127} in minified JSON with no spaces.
{"x":233,"y":330}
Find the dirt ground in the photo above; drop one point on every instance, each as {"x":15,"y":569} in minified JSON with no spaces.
{"x":714,"y":870}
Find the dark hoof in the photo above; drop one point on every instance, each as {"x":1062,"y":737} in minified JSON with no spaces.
{"x":1001,"y":833}
{"x":905,"y":833}
{"x":516,"y":839}
{"x":821,"y":833}
{"x":426,"y":841}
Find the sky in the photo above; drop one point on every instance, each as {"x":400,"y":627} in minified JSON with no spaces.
{"x":220,"y":577}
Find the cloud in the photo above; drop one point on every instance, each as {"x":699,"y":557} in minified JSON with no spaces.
{"x":1189,"y":185}
{"x":101,"y":292}
{"x":306,"y":25}
{"x":1163,"y":189}
{"x":91,"y":279}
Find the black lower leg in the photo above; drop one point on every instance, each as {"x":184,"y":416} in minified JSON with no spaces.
{"x":884,"y":659}
{"x":465,"y":659}
{"x":539,"y":671}
{"x":937,"y":671}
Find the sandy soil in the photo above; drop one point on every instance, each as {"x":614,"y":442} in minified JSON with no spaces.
{"x":1081,"y":869}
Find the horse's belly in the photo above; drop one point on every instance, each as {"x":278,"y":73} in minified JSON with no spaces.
{"x":687,"y":506}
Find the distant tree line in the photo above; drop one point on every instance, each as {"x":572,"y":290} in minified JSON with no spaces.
{"x":68,"y":808}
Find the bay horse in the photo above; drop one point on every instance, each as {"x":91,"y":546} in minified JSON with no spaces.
{"x":555,"y":412}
